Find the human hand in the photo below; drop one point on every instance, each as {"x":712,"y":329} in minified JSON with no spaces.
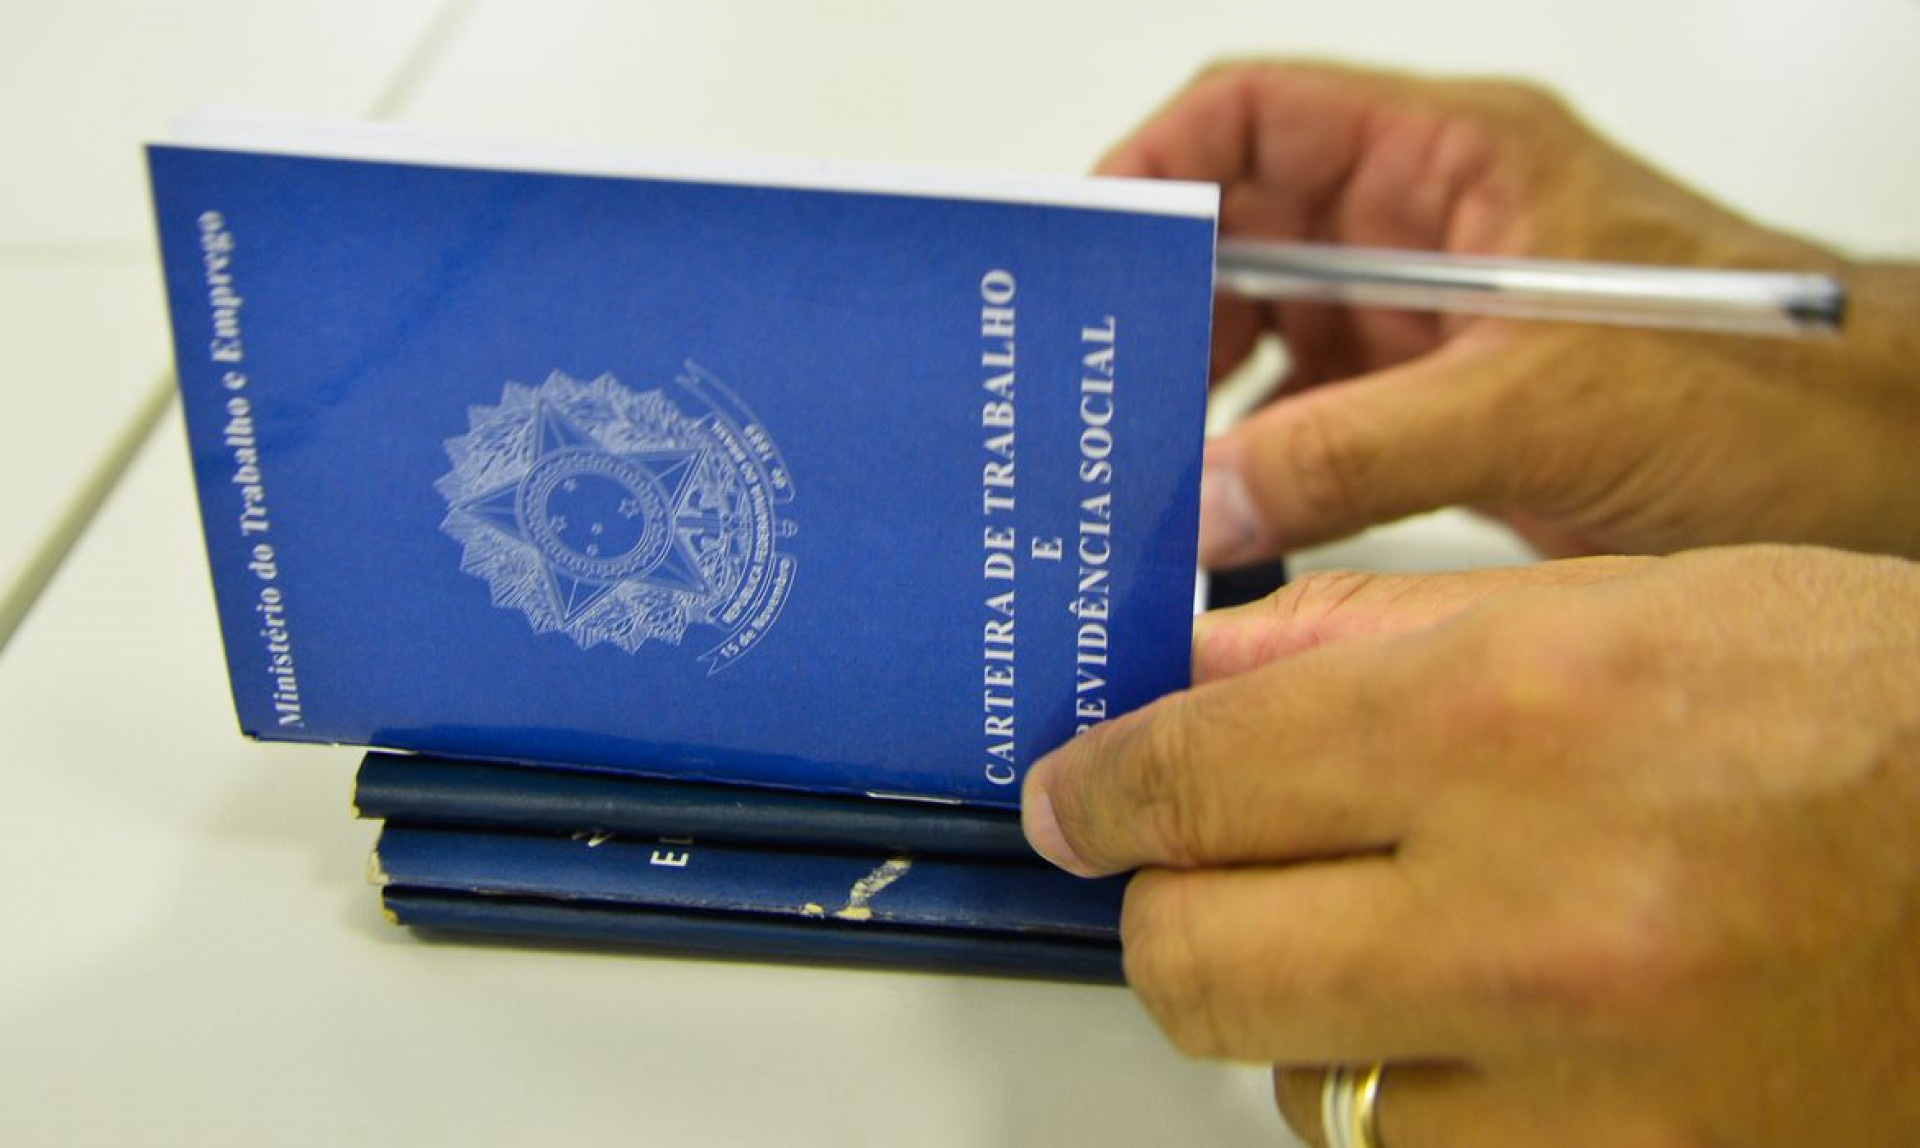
{"x":1584,"y":438}
{"x":1607,"y":851}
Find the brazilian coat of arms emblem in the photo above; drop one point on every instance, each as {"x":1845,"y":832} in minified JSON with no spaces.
{"x":611,"y":515}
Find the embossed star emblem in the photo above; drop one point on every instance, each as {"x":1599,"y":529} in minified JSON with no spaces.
{"x":597,"y":519}
{"x":625,"y":516}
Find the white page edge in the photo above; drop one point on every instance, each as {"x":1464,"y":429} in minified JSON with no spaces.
{"x":235,"y":129}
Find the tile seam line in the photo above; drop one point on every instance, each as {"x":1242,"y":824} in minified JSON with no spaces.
{"x":81,"y":509}
{"x":18,"y":598}
{"x":421,"y":59}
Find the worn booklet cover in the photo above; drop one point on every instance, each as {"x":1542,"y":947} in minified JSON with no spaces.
{"x":420,"y":789}
{"x":683,"y":868}
{"x":753,"y":937}
{"x":816,"y":480}
{"x":930,"y":892}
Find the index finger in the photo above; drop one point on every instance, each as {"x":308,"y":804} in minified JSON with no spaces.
{"x":1326,"y":153}
{"x":1320,"y":151}
{"x":1300,"y":759}
{"x":1297,"y":126}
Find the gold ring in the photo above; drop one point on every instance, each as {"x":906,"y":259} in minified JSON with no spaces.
{"x":1348,"y":1099}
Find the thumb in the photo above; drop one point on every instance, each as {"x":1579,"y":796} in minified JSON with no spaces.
{"x":1338,"y":458}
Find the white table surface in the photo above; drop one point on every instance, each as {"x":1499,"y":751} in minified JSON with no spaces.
{"x":187,"y":954}
{"x":82,"y":322}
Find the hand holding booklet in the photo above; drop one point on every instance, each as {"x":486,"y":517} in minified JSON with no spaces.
{"x":766,"y":475}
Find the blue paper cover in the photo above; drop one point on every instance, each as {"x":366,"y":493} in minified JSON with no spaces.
{"x":826,"y":489}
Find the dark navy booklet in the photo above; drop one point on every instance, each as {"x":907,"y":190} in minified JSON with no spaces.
{"x":792,"y":478}
{"x":747,"y":937}
{"x":928,"y":892}
{"x":424,"y":790}
{"x":517,"y":852}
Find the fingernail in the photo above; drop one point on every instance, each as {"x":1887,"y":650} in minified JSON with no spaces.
{"x":1203,"y":625}
{"x":1043,"y":833}
{"x":1230,"y":529}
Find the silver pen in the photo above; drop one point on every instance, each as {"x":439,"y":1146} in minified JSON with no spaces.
{"x":1740,"y":302}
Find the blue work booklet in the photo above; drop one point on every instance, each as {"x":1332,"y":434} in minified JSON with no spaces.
{"x":899,"y":889}
{"x":802,"y":479}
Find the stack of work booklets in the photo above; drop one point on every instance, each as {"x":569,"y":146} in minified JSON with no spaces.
{"x":707,"y":548}
{"x":727,"y":870}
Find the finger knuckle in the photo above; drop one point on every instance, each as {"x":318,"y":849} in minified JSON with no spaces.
{"x":1652,"y":944}
{"x":1235,"y":78}
{"x":1465,"y":146}
{"x":1490,"y":702}
{"x":1171,"y":810}
{"x":1535,"y":677}
{"x":1531,"y":100}
{"x":1167,"y":965}
{"x":1233,"y":66}
{"x":1515,"y":100}
{"x":1323,"y":462}
{"x":1317,"y":594}
{"x":1303,"y":613}
{"x":1622,"y":964}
